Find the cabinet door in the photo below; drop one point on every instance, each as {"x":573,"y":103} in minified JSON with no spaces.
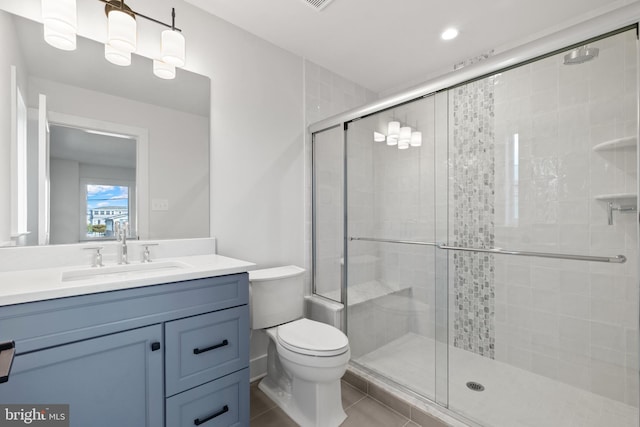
{"x":114,"y":380}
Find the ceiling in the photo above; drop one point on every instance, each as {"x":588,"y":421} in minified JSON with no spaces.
{"x":385,"y":45}
{"x":89,"y":148}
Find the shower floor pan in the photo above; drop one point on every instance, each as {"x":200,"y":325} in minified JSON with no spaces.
{"x":512,"y":397}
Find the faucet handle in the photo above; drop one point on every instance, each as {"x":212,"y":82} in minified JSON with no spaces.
{"x":97,"y":259}
{"x":146,"y":255}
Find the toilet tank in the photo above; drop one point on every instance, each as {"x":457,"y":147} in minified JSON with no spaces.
{"x":277,"y":296}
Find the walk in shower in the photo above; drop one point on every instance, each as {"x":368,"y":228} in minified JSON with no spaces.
{"x":488,"y":257}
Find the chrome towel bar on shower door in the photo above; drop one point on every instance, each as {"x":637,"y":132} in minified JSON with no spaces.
{"x":618,"y":259}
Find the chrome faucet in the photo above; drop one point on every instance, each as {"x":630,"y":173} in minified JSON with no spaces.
{"x":121,"y":237}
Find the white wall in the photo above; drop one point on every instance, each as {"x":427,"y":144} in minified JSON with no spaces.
{"x":65,"y":201}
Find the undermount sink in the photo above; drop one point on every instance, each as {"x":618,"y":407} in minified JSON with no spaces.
{"x":123,"y":271}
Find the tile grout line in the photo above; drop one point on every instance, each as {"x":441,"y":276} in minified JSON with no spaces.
{"x":261,"y":413}
{"x":389,"y":408}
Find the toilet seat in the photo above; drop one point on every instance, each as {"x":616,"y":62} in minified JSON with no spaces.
{"x":312,"y":338}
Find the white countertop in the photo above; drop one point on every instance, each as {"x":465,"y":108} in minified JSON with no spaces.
{"x":41,"y":284}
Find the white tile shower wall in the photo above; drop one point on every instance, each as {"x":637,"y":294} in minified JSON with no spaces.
{"x":569,"y":320}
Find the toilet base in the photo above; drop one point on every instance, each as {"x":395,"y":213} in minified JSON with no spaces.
{"x":322,"y":406}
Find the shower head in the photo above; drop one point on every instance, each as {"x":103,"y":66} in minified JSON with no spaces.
{"x":581,"y":55}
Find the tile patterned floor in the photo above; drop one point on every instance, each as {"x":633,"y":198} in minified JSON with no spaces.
{"x":362,"y":411}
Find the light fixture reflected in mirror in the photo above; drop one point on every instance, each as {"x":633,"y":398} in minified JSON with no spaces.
{"x":401,"y":136}
{"x":60,"y":15}
{"x":416,"y":139}
{"x":116,"y":56}
{"x":378,"y":137}
{"x":60,"y":40}
{"x":60,"y":29}
{"x":60,"y":21}
{"x":164,"y":70}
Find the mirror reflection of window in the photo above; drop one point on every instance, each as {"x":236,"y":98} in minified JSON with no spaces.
{"x":106,"y":205}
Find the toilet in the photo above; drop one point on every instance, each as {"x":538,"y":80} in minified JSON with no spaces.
{"x":305,"y":358}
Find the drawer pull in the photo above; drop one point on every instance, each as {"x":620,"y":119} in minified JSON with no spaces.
{"x":213,"y":347}
{"x":7,"y":351}
{"x":199,"y":421}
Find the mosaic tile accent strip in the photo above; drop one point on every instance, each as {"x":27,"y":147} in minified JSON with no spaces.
{"x":473,"y":215}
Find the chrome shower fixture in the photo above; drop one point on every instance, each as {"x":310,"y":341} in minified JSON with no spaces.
{"x":581,"y":55}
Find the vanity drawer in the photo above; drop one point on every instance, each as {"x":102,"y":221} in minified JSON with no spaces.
{"x":202,"y":348}
{"x":223,"y":402}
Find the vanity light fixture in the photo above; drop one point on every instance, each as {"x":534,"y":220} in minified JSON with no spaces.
{"x":60,"y":29}
{"x":402,"y":136}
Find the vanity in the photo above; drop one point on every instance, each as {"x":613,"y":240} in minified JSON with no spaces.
{"x":165,"y":346}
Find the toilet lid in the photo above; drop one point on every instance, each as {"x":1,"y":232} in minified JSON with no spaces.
{"x":306,"y":336}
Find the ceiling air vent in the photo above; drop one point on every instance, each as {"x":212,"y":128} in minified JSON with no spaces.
{"x":318,"y":4}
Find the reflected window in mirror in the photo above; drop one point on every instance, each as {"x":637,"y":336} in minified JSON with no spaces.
{"x":105,"y":205}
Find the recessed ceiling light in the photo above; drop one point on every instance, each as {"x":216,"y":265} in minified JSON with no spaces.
{"x":449,"y":34}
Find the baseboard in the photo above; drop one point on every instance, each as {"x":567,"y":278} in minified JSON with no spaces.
{"x":258,"y":367}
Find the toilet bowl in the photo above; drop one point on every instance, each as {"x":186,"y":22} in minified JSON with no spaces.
{"x":305,"y":358}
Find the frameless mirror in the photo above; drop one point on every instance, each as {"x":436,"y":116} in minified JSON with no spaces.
{"x":93,"y":143}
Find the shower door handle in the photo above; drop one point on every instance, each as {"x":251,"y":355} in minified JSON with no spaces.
{"x":618,"y":259}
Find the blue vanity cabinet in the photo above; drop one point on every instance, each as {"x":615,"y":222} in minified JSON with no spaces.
{"x":115,"y":380}
{"x":126,"y":357}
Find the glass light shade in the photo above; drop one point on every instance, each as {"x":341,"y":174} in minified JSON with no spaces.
{"x":378,"y":137}
{"x":116,"y":56}
{"x":173,"y":48}
{"x":416,"y":139}
{"x":60,"y":15}
{"x":394,"y":129}
{"x":405,"y":134}
{"x":403,"y":145}
{"x":392,"y":140}
{"x":164,"y":70}
{"x":122,"y":31}
{"x":60,"y":40}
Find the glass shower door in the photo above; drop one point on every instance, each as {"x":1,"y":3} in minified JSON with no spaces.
{"x":391,"y":281}
{"x":543,"y":158}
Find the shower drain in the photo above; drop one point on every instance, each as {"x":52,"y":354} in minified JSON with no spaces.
{"x":475,"y":386}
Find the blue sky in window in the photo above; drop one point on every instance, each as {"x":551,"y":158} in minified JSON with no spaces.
{"x":107,"y":195}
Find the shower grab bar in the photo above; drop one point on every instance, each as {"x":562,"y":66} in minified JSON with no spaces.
{"x":618,"y":259}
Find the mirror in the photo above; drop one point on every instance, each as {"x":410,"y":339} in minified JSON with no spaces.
{"x":93,"y":143}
